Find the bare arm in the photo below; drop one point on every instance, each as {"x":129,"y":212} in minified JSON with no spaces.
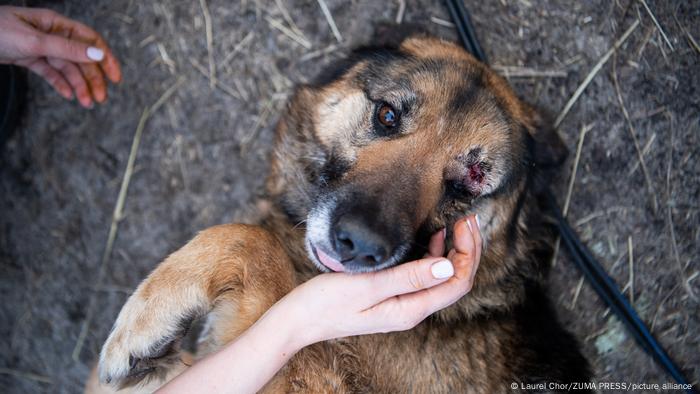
{"x":245,"y":365}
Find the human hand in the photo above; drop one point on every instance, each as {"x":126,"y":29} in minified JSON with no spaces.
{"x":337,"y":305}
{"x":70,"y":56}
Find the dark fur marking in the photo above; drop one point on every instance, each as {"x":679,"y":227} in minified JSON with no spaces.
{"x":374,"y":56}
{"x":333,"y":169}
{"x":512,"y":227}
{"x":469,"y":93}
{"x":291,"y":210}
{"x":551,"y":360}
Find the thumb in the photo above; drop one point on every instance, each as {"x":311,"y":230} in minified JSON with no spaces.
{"x":411,"y":277}
{"x":71,"y":50}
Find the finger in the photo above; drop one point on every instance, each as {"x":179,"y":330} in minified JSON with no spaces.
{"x":465,"y":259}
{"x":56,"y":24}
{"x":95,"y":79}
{"x":465,"y":267}
{"x":71,"y":72}
{"x":110,"y":65}
{"x":462,"y":233}
{"x":409,"y":277}
{"x":405,"y":311}
{"x":53,"y":77}
{"x":464,"y":252}
{"x":478,"y":245}
{"x":50,"y":45}
{"x":436,"y":247}
{"x":76,"y":30}
{"x":91,"y":73}
{"x":419,"y":305}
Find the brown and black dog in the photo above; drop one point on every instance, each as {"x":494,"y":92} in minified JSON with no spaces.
{"x":389,"y":146}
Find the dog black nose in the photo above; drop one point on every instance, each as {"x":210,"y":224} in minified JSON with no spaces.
{"x":358,"y":245}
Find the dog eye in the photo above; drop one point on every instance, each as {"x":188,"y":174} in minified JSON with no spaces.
{"x":387,"y":115}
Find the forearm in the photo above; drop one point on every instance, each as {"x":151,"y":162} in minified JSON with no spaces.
{"x":245,"y":365}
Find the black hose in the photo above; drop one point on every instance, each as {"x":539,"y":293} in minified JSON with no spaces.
{"x":465,"y":29}
{"x":606,"y":288}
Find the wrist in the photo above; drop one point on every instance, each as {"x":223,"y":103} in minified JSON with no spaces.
{"x":283,"y":326}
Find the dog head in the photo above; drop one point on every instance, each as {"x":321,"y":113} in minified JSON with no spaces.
{"x":395,"y":143}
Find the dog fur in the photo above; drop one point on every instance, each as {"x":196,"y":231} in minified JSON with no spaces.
{"x":465,"y":144}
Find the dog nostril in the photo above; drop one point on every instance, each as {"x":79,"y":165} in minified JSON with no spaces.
{"x":345,"y":241}
{"x":356,"y":243}
{"x":371,"y":260}
{"x":375,"y":258}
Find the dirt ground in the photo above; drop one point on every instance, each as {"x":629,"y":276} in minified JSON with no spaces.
{"x":202,"y":160}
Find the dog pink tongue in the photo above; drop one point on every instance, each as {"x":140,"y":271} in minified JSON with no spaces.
{"x":329,"y":261}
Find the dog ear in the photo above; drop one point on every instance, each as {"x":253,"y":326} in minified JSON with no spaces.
{"x":549,"y":150}
{"x":391,"y":35}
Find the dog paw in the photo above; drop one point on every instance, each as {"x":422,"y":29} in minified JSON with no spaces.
{"x":144,"y":343}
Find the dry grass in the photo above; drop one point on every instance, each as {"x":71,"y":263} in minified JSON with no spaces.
{"x":633,"y":134}
{"x":569,"y":191}
{"x":330,"y":20}
{"x":210,"y":42}
{"x":527,"y":72}
{"x":594,"y":71}
{"x":288,"y":32}
{"x":656,"y":22}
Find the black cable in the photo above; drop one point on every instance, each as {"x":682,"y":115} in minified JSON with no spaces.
{"x":594,"y":272}
{"x":465,"y":29}
{"x":606,"y":288}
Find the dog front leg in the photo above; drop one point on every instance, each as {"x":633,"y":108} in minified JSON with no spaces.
{"x":225,"y":263}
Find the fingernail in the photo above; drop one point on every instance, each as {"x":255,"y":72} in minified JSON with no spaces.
{"x":95,"y":54}
{"x":444,"y":233}
{"x":469,"y":224}
{"x":442,"y":269}
{"x":477,"y":221}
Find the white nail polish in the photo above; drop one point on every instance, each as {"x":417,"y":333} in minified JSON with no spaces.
{"x":95,"y":54}
{"x":469,"y":224}
{"x":442,"y":269}
{"x":477,"y":221}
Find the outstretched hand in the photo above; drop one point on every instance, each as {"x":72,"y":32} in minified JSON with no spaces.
{"x":69,"y":55}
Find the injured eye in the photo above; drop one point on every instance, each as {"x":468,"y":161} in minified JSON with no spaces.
{"x":475,"y":175}
{"x":387,"y":116}
{"x":468,"y":179}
